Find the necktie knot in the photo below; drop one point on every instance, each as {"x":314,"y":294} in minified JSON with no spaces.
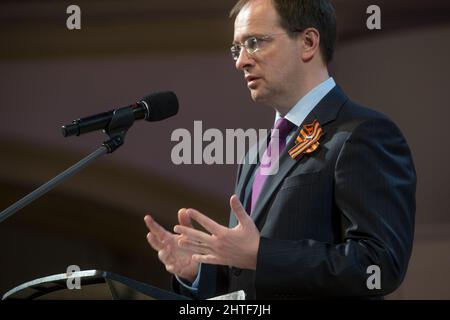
{"x":283,"y":126}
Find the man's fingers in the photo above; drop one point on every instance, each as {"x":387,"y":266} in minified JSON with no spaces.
{"x":238,"y":209}
{"x":164,"y":255}
{"x":170,"y":268}
{"x":155,"y":228}
{"x":206,"y":258}
{"x":154,"y":242}
{"x":184,"y":219}
{"x":207,"y":223}
{"x":192,"y":234}
{"x":194,"y":246}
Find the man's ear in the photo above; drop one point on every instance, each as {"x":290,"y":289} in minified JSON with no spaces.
{"x":310,"y":42}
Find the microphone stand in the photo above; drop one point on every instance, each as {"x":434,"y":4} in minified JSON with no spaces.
{"x":121,"y":121}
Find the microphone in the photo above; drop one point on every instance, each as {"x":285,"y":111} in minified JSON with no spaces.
{"x":155,"y":107}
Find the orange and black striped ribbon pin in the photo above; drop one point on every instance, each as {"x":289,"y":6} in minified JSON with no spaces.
{"x":308,"y":140}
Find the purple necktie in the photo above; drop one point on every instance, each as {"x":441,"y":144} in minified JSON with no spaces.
{"x":284,"y":127}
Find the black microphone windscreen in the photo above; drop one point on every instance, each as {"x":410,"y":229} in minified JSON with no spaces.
{"x":161,"y":105}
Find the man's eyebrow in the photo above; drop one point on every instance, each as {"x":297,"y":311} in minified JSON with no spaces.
{"x":247,"y":36}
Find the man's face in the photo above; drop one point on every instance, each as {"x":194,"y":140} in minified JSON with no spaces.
{"x":272,"y":73}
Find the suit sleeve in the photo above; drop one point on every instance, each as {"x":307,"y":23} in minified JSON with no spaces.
{"x":213,"y":282}
{"x":374,"y":192}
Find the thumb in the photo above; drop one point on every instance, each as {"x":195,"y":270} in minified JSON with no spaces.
{"x":238,"y":209}
{"x":184,"y":219}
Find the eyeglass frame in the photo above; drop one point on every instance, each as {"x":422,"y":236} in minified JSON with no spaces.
{"x":236,"y":48}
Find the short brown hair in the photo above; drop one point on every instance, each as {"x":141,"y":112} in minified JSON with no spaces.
{"x":298,"y":15}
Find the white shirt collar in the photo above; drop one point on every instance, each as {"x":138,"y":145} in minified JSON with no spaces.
{"x":307,"y":103}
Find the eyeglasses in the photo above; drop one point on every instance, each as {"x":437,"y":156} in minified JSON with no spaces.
{"x":252,"y":45}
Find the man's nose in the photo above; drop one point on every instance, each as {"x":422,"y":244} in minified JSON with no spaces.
{"x":244,"y":60}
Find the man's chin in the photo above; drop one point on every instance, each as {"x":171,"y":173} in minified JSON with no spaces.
{"x":257,"y":96}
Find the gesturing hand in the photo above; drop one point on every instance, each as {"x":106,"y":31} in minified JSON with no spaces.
{"x":236,"y":247}
{"x":177,"y":260}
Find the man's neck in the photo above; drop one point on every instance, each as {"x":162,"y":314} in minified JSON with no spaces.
{"x":308,"y":84}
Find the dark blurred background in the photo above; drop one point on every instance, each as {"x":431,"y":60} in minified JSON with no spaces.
{"x":127,"y":49}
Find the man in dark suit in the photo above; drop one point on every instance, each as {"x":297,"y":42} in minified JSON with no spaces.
{"x":340,"y":206}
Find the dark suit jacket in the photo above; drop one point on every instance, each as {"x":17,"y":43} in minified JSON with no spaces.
{"x":327,"y":216}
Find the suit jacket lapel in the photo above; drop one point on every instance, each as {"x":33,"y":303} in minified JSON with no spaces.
{"x":325,"y":112}
{"x":247,"y":169}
